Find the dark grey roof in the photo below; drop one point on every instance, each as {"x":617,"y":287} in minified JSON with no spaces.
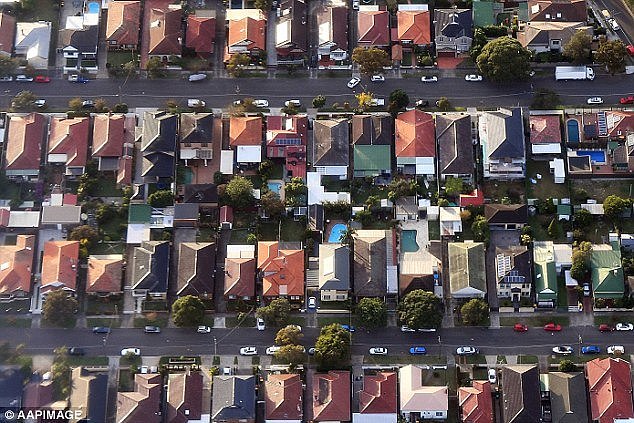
{"x":506,"y":213}
{"x":196,"y":263}
{"x":185,"y":211}
{"x":374,"y":129}
{"x":11,"y":386}
{"x":520,"y":260}
{"x":521,"y":394}
{"x":369,"y":266}
{"x":150,"y":265}
{"x":233,"y":398}
{"x":568,"y":397}
{"x":201,"y":193}
{"x":331,"y":143}
{"x":97,"y":396}
{"x":84,"y":40}
{"x":297,"y":15}
{"x":455,"y":149}
{"x":158,"y":144}
{"x":196,"y":128}
{"x":505,"y":133}
{"x":453,"y":22}
{"x":579,"y":163}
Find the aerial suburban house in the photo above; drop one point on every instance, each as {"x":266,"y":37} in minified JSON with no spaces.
{"x":247,"y":33}
{"x":165,"y":35}
{"x":22,"y":148}
{"x":80,"y":48}
{"x":372,"y":141}
{"x":158,"y":146}
{"x":373,"y":27}
{"x":233,"y":399}
{"x":201,"y":33}
{"x":450,"y":221}
{"x":568,"y":396}
{"x":331,"y":147}
{"x":607,"y":272}
{"x":476,"y":403}
{"x":418,"y":401}
{"x":455,"y":147}
{"x":239,"y":275}
{"x":281,"y":268}
{"x":377,"y":400}
{"x":549,"y":261}
{"x":196,"y":137}
{"x":61,"y":210}
{"x":39,"y":393}
{"x":513,"y":272}
{"x":113,"y":144}
{"x":11,"y":384}
{"x":104,"y":274}
{"x":205,"y":195}
{"x":541,"y":37}
{"x":334,"y":272}
{"x":196,"y":269}
{"x":332,"y":51}
{"x":506,"y":216}
{"x":610,"y":389}
{"x":60,"y":263}
{"x":7,"y":34}
{"x":545,"y":135}
{"x":16,"y":268}
{"x":286,"y":138}
{"x":150,"y":268}
{"x":283,"y":396}
{"x":420,"y":269}
{"x":331,"y":396}
{"x":32,"y":42}
{"x":123,"y":25}
{"x":89,"y":393}
{"x":521,"y":394}
{"x":68,"y":143}
{"x":415,"y":144}
{"x":502,"y":141}
{"x":413,"y":31}
{"x":245,"y":137}
{"x":557,"y":11}
{"x":374,"y":263}
{"x":453,"y":31}
{"x":185,"y":397}
{"x":291,"y":32}
{"x":186,"y":215}
{"x":143,"y":404}
{"x":467,"y":274}
{"x":142,"y":218}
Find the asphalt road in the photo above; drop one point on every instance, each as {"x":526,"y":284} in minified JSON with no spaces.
{"x":619,"y":11}
{"x":221,"y":92}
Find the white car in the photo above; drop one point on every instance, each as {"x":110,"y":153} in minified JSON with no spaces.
{"x":40,"y":103}
{"x":354,"y":82}
{"x":272,"y":350}
{"x":133,"y":351}
{"x":197,"y":77}
{"x":194,"y":103}
{"x":429,"y":79}
{"x":473,"y":78}
{"x":378,"y":351}
{"x":312,"y":302}
{"x":562,"y":350}
{"x":377,"y":78}
{"x":248,"y":351}
{"x":616,"y":349}
{"x":466,"y":350}
{"x":407,"y":329}
{"x":615,"y":26}
{"x":6,"y":79}
{"x":294,"y":103}
{"x":23,"y":78}
{"x":624,"y":326}
{"x":493,"y":376}
{"x":260,"y":324}
{"x":261,"y":103}
{"x":203,"y":329}
{"x":595,"y":100}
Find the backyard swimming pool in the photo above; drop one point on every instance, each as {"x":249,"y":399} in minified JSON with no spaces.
{"x":408,"y":241}
{"x":596,"y":156}
{"x":93,"y":7}
{"x":276,"y":187}
{"x":573,"y":131}
{"x":336,"y":232}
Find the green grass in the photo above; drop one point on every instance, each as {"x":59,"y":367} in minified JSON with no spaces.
{"x":501,"y":359}
{"x":292,"y":230}
{"x":15,"y":305}
{"x":238,"y":236}
{"x":125,"y":380}
{"x":599,"y":190}
{"x":74,"y":360}
{"x":69,"y":324}
{"x":535,"y":321}
{"x":160,"y":321}
{"x":527,"y":359}
{"x":107,"y":187}
{"x":297,"y":320}
{"x":104,"y":306}
{"x":130,"y":360}
{"x":546,"y":186}
{"x":433,"y":229}
{"x":114,"y":228}
{"x":15,"y":322}
{"x":118,"y":58}
{"x":232,"y":322}
{"x":404,"y":359}
{"x":109,"y":323}
{"x":613,"y":318}
{"x":471,"y":359}
{"x":480,"y":373}
{"x":107,"y":248}
{"x":325,"y":321}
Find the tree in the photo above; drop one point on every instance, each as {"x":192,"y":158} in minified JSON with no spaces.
{"x":453,"y":186}
{"x":583,"y":218}
{"x":372,"y":312}
{"x":579,"y":46}
{"x":319,"y":101}
{"x":101,"y":105}
{"x":474,"y":312}
{"x":479,"y":41}
{"x":155,"y":68}
{"x":75,"y":104}
{"x":291,"y":354}
{"x":332,"y":348}
{"x":420,"y":309}
{"x":271,"y":203}
{"x":347,"y":236}
{"x":567,"y":366}
{"x":480,"y":229}
{"x":263,"y":5}
{"x":188,"y":311}
{"x":289,"y":335}
{"x":581,"y":256}
{"x":59,"y":308}
{"x":400,"y":98}
{"x":554,"y":229}
{"x":364,"y":100}
{"x":443,"y":104}
{"x":370,"y":60}
{"x":276,"y":313}
{"x":504,"y":60}
{"x":545,"y":99}
{"x":614,"y":206}
{"x":130,"y":68}
{"x":84,"y":233}
{"x":240,"y":192}
{"x":252,"y":239}
{"x":612,"y":55}
{"x":8,"y":66}
{"x":365,"y":217}
{"x":401,"y":187}
{"x":161,"y":198}
{"x":120,"y":108}
{"x":236,"y":64}
{"x":60,"y":372}
{"x":293,"y":190}
{"x":24,"y":100}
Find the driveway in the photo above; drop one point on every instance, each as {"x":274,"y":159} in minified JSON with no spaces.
{"x":504,"y":238}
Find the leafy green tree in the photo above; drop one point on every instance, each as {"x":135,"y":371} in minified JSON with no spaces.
{"x":319,"y":101}
{"x":365,"y":217}
{"x":161,"y":198}
{"x":370,"y":60}
{"x":59,"y":308}
{"x":567,"y":366}
{"x":443,"y":104}
{"x":155,"y":68}
{"x":84,"y":232}
{"x":263,"y":5}
{"x":289,"y":335}
{"x":474,"y":312}
{"x":612,"y":55}
{"x":399,"y":97}
{"x":291,"y":354}
{"x":252,"y":239}
{"x":372,"y":312}
{"x":8,"y":66}
{"x":504,"y":60}
{"x":453,"y":186}
{"x":347,"y":236}
{"x":240,"y":192}
{"x":579,"y":46}
{"x":614,"y":206}
{"x":188,"y":311}
{"x":120,"y":108}
{"x":332,"y":349}
{"x":101,"y":105}
{"x":275,"y":314}
{"x":545,"y":99}
{"x":480,"y":229}
{"x":479,"y":41}
{"x":420,"y":309}
{"x":401,"y":187}
{"x":582,"y":218}
{"x":24,"y":100}
{"x":236,"y":64}
{"x":272,"y":204}
{"x":581,"y":256}
{"x":60,"y":371}
{"x":75,"y":104}
{"x":293,"y":190}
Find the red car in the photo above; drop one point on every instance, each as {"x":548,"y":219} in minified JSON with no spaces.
{"x":627,"y":100}
{"x":630,"y":49}
{"x":520,"y":327}
{"x":42,"y":78}
{"x":552,"y":327}
{"x":605,"y":328}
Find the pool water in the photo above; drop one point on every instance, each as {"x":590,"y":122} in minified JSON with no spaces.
{"x":336,"y":233}
{"x":573,"y":131}
{"x":596,"y":156}
{"x":408,"y":241}
{"x":93,"y":7}
{"x":276,"y":187}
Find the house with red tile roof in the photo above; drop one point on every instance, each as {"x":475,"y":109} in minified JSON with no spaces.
{"x":60,"y":261}
{"x":201,"y":33}
{"x":16,"y":268}
{"x":166,"y":35}
{"x":476,"y":403}
{"x":413,"y":28}
{"x":610,"y":389}
{"x":105,"y":273}
{"x":545,"y":132}
{"x":557,"y":10}
{"x":68,"y":143}
{"x":113,"y":144}
{"x":246,"y":35}
{"x":333,"y":37}
{"x":283,"y":395}
{"x":286,"y":138}
{"x":245,"y":136}
{"x":22,"y":150}
{"x":123,"y":25}
{"x":143,"y":404}
{"x":415,"y":143}
{"x":373,"y":27}
{"x":185,"y":397}
{"x":331,"y":396}
{"x":239,"y":275}
{"x":377,"y":400}
{"x":281,"y":270}
{"x":7,"y":34}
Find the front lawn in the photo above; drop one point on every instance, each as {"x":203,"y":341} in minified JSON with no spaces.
{"x":126,"y":380}
{"x":497,"y":190}
{"x":104,"y":306}
{"x":74,"y":361}
{"x":91,"y":322}
{"x":15,"y":322}
{"x":613,"y":318}
{"x":527,"y":359}
{"x":151,"y":319}
{"x":247,"y":322}
{"x":431,"y":359}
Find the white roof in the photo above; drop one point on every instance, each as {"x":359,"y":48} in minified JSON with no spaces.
{"x":450,"y":214}
{"x":425,"y":166}
{"x":412,"y":7}
{"x":137,"y":233}
{"x":570,"y":281}
{"x":374,"y":418}
{"x":237,"y":14}
{"x":33,"y":39}
{"x":226,"y":162}
{"x":596,"y":209}
{"x":558,"y":167}
{"x":24,"y":219}
{"x":283,"y":32}
{"x":57,"y":200}
{"x":546,"y":148}
{"x":249,"y":154}
{"x":317,"y":193}
{"x":240,"y":251}
{"x":392,"y":280}
{"x":74,"y":22}
{"x":562,"y":254}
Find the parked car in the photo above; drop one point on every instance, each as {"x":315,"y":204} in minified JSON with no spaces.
{"x":76,"y":351}
{"x":627,"y":100}
{"x":195,"y":103}
{"x":272,"y":350}
{"x":152,"y":329}
{"x":353,"y":82}
{"x":101,"y":329}
{"x":604,"y":327}
{"x":39,"y":103}
{"x":144,"y":370}
{"x":493,"y":376}
{"x":466,"y":350}
{"x":130,"y":350}
{"x":78,"y":79}
{"x":197,"y":77}
{"x":87,"y":104}
{"x":203,"y":329}
{"x":311,"y":351}
{"x":418,"y":350}
{"x":312,"y":302}
{"x":613,"y":24}
{"x":349,"y":328}
{"x":226,"y":371}
{"x":377,"y":78}
{"x":562,"y":350}
{"x":590,"y":349}
{"x":426,"y":78}
{"x":261,"y":103}
{"x":6,"y":79}
{"x":427,"y":330}
{"x":586,"y":289}
{"x":519,"y":327}
{"x":378,"y":351}
{"x":616,"y":349}
{"x":259,"y":323}
{"x":624,"y":326}
{"x":248,"y":351}
{"x":630,"y":49}
{"x":595,"y":100}
{"x":294,"y":103}
{"x":473,"y":78}
{"x":42,"y":79}
{"x":552,"y":327}
{"x":23,"y":78}
{"x":421,"y":103}
{"x":355,"y":4}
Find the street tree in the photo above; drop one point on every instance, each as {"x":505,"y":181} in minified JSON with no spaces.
{"x":8,"y":66}
{"x":372,"y":313}
{"x":289,"y":335}
{"x":614,"y":206}
{"x":75,"y":104}
{"x":101,"y":105}
{"x":420,"y":309}
{"x":474,"y":312}
{"x":364,"y":100}
{"x":161,"y":198}
{"x":24,"y":100}
{"x":59,"y":308}
{"x":332,"y":348}
{"x":480,"y":229}
{"x":504,"y":60}
{"x":188,"y":311}
{"x":443,"y":104}
{"x":239,"y":192}
{"x":453,"y":186}
{"x":155,"y":68}
{"x":236,"y":64}
{"x":579,"y":47}
{"x":85,"y":233}
{"x":319,"y":101}
{"x":370,"y":60}
{"x":276,"y":313}
{"x":400,"y":98}
{"x":60,"y":372}
{"x":545,"y":99}
{"x":479,"y":41}
{"x":567,"y":366}
{"x":401,"y":187}
{"x":612,"y":55}
{"x":291,"y":354}
{"x":272,"y":204}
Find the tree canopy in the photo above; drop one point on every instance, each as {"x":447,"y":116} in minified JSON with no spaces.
{"x":613,"y":206}
{"x":504,"y":60}
{"x":579,"y":46}
{"x":401,"y":187}
{"x":59,"y":308}
{"x":161,"y":198}
{"x":188,"y":311}
{"x":332,"y":349}
{"x":276,"y":313}
{"x":291,"y":354}
{"x":272,"y":204}
{"x":8,"y":66}
{"x":400,"y":98}
{"x":372,"y":312}
{"x":24,"y":100}
{"x":239,"y":192}
{"x":289,"y":335}
{"x":420,"y":309}
{"x":319,"y":101}
{"x":474,"y":312}
{"x":480,"y":229}
{"x":370,"y":60}
{"x":612,"y":55}
{"x":453,"y":186}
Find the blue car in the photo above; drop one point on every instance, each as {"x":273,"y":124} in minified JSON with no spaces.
{"x":590,"y":349}
{"x":417,"y":350}
{"x":348,"y":328}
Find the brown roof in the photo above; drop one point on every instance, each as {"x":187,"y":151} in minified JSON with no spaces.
{"x":16,"y":265}
{"x":283,"y":270}
{"x":245,"y":131}
{"x":247,"y":31}
{"x":557,"y":10}
{"x":619,"y":123}
{"x":414,"y":26}
{"x":195,"y":268}
{"x":144,"y":403}
{"x":124,"y":20}
{"x":104,"y":273}
{"x":7,"y":33}
{"x":283,"y":395}
{"x":336,"y":20}
{"x":184,"y":396}
{"x":379,"y":394}
{"x":108,"y":135}
{"x":610,"y":389}
{"x":165,"y":31}
{"x":506,"y":213}
{"x":38,"y":394}
{"x":331,"y":396}
{"x":373,"y":27}
{"x":59,"y":264}
{"x":240,"y":277}
{"x":70,"y":137}
{"x":414,"y":135}
{"x":201,"y":33}
{"x":22,"y":149}
{"x":476,"y":404}
{"x":545,"y":129}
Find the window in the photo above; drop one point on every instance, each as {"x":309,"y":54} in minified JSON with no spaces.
{"x":439,"y":413}
{"x":326,"y":297}
{"x":547,"y":15}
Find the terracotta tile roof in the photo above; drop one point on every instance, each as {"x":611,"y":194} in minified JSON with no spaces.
{"x":245,"y":131}
{"x":248,"y":31}
{"x":38,"y":394}
{"x":283,"y":395}
{"x":184,"y":397}
{"x":165,"y":31}
{"x":414,"y":135}
{"x":124,"y":20}
{"x":24,"y":140}
{"x":16,"y":265}
{"x":414,"y":26}
{"x":373,"y":27}
{"x":7,"y":33}
{"x":379,"y":394}
{"x":108,"y":135}
{"x":558,"y":10}
{"x":331,"y":396}
{"x":475,"y":402}
{"x":610,"y":389}
{"x":105,"y":273}
{"x":619,"y":123}
{"x":545,"y":129}
{"x":144,"y":403}
{"x":59,"y":264}
{"x":201,"y":33}
{"x":240,"y":277}
{"x":70,"y":137}
{"x":283,"y":270}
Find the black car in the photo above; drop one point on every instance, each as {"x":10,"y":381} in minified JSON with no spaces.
{"x":75,"y":351}
{"x":100,"y":329}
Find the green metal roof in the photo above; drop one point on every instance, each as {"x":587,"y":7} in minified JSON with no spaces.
{"x":607,"y":274}
{"x":483,"y":13}
{"x":546,"y":283}
{"x":564,"y":209}
{"x":371,"y":158}
{"x":139,"y":213}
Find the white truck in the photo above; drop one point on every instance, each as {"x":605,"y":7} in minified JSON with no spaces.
{"x":563,"y":73}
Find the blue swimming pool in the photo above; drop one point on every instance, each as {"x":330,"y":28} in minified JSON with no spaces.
{"x":336,"y":233}
{"x":596,"y":156}
{"x":573,"y":131}
{"x":408,"y":241}
{"x":276,"y":187}
{"x":93,"y":7}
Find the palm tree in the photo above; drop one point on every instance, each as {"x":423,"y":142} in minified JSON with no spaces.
{"x":347,"y":236}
